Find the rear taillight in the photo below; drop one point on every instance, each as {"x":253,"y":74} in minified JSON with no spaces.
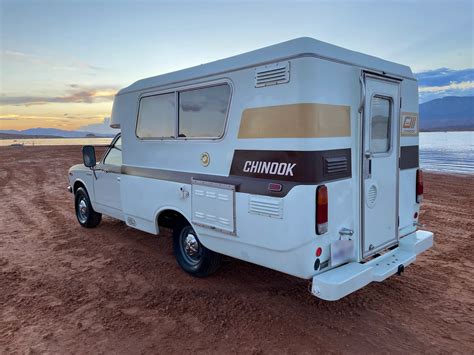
{"x":321,"y":209}
{"x":419,"y":186}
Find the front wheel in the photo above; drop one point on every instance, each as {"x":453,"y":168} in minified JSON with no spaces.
{"x":86,"y":216}
{"x":192,"y":256}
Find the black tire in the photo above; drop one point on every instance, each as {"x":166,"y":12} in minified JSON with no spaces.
{"x":85,"y":214}
{"x":193,"y":258}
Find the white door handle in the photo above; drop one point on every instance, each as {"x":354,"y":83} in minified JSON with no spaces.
{"x":118,"y":179}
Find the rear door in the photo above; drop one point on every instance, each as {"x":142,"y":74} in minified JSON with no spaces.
{"x":380,"y":164}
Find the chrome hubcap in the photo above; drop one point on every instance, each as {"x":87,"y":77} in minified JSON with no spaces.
{"x":82,"y":210}
{"x":191,"y":247}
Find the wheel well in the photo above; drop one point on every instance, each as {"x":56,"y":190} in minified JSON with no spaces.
{"x":170,"y":219}
{"x":77,"y":185}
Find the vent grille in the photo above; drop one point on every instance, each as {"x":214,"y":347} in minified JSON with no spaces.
{"x":272,"y":74}
{"x":335,"y":165}
{"x":371,"y":196}
{"x":267,"y":206}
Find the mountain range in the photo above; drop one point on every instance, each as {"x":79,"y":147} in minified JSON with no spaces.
{"x":450,"y":113}
{"x":53,"y":132}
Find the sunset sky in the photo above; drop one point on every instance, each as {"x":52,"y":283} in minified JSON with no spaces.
{"x":62,"y":61}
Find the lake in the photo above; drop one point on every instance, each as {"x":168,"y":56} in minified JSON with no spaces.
{"x":451,"y":152}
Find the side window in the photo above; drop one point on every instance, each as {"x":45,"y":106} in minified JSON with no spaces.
{"x":202,"y":112}
{"x":380,"y":126}
{"x":114,"y":157}
{"x":157,"y":116}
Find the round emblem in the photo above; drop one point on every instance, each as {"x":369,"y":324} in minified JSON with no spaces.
{"x":205,"y":159}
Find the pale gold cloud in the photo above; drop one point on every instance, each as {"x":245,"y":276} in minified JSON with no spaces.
{"x":77,"y":94}
{"x":464,"y":85}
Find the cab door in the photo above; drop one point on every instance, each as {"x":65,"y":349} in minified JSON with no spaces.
{"x":107,"y":182}
{"x":380,"y":160}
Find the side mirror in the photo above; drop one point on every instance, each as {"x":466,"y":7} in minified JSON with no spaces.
{"x":88,"y":156}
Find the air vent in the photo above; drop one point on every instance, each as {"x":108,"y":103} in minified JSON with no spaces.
{"x":272,"y":74}
{"x":266,"y":206}
{"x":371,"y":196}
{"x":335,"y":165}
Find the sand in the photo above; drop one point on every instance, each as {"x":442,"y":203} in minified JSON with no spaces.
{"x":66,"y":289}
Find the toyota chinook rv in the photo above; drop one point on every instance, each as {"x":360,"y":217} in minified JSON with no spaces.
{"x":301,"y":157}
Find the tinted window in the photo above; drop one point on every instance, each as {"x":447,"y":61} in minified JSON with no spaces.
{"x":380,"y":125}
{"x":202,"y":112}
{"x":114,"y":157}
{"x":157,"y":116}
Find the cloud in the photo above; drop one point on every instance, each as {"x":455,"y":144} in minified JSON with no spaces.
{"x":464,"y":85}
{"x":58,"y":62}
{"x":77,"y":94}
{"x":442,"y":82}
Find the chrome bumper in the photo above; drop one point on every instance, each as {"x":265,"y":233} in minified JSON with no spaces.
{"x":341,"y":281}
{"x":69,"y":188}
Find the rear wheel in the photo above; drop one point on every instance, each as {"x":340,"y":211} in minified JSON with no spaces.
{"x":192,"y":256}
{"x":86,"y":216}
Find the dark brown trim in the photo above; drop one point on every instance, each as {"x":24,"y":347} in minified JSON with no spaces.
{"x":303,"y":167}
{"x":409,"y":157}
{"x":317,"y":165}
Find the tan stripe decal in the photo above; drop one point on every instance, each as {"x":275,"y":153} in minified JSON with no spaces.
{"x":296,"y":121}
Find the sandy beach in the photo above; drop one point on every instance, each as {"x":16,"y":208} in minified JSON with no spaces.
{"x":113,"y":289}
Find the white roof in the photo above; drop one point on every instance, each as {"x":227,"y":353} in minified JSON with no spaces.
{"x":303,"y":46}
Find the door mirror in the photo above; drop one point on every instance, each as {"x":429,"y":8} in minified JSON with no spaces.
{"x":88,"y":156}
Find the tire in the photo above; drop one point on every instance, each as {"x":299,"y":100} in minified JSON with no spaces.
{"x":85,"y":214}
{"x":191,"y":255}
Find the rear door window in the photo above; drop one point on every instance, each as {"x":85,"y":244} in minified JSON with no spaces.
{"x":380,"y":124}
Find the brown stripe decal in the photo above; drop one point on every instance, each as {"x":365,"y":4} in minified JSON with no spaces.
{"x":306,"y":120}
{"x":409,"y":157}
{"x":308,"y":168}
{"x":305,"y":167}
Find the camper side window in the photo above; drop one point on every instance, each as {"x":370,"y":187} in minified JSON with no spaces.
{"x":380,"y":127}
{"x":157,"y":116}
{"x":203,"y":112}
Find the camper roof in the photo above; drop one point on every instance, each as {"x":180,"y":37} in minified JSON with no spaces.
{"x":303,"y":46}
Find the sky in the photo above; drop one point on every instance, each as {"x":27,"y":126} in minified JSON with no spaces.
{"x":61,"y":62}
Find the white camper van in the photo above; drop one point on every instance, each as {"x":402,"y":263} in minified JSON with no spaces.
{"x":301,"y":157}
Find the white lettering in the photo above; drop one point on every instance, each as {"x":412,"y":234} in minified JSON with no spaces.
{"x":267,"y":167}
{"x":273,"y":168}
{"x":281,"y":169}
{"x":289,"y":169}
{"x":247,"y":166}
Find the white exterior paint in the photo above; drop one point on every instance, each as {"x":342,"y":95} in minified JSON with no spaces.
{"x":276,"y":232}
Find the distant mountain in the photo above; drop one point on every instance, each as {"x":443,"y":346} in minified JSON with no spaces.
{"x":450,"y":113}
{"x":53,"y":132}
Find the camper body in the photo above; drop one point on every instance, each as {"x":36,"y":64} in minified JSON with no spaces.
{"x":301,"y":157}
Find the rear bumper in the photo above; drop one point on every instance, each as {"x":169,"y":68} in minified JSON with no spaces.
{"x":341,"y":281}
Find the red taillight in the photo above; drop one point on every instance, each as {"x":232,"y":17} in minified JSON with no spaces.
{"x":419,"y":186}
{"x":321,"y":209}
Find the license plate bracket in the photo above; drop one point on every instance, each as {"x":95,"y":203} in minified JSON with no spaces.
{"x":342,"y":251}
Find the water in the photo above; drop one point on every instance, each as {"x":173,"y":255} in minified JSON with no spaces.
{"x":57,"y":141}
{"x":451,"y":152}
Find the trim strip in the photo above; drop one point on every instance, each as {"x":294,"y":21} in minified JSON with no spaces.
{"x":409,"y":157}
{"x":305,"y":120}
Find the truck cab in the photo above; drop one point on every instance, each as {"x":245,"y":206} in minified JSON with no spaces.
{"x":99,"y":184}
